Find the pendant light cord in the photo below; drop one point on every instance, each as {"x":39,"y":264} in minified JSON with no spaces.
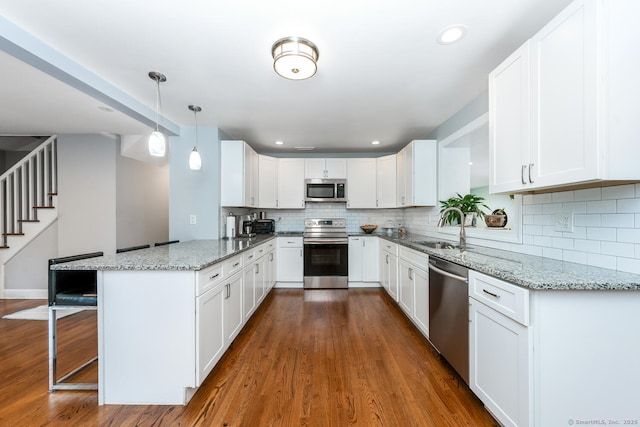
{"x":195,"y":116}
{"x":158,"y":103}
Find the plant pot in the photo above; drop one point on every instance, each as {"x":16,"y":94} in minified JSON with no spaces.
{"x":495,"y":221}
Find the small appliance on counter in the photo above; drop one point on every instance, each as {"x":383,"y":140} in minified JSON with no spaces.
{"x":231,"y":227}
{"x":244,"y":226}
{"x":264,"y":226}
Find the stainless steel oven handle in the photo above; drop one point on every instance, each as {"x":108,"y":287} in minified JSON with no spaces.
{"x":446,"y":273}
{"x":325,"y":241}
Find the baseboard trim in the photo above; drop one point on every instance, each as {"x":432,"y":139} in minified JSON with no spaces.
{"x":364,"y":284}
{"x":25,"y":294}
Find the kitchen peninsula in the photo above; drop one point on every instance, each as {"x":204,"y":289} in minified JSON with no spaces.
{"x":167,"y":314}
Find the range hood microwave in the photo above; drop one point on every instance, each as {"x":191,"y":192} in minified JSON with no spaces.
{"x":325,"y":190}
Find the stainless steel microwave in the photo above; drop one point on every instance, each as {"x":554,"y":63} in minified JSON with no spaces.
{"x":325,"y":190}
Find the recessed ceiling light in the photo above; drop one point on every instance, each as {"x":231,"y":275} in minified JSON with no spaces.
{"x":305,"y":148}
{"x":451,"y":34}
{"x":279,"y":143}
{"x":375,"y":142}
{"x":105,"y":109}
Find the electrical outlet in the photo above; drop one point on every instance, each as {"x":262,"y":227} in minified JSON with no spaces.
{"x":192,"y":219}
{"x":563,"y":222}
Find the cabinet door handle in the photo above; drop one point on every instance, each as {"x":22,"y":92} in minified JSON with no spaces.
{"x":530,"y":167}
{"x":226,"y":293}
{"x":410,"y":273}
{"x":300,"y":253}
{"x":276,"y":203}
{"x":387,"y":260}
{"x":496,"y":296}
{"x":214,"y":276}
{"x":522,"y":174}
{"x":257,"y":268}
{"x":271,"y":258}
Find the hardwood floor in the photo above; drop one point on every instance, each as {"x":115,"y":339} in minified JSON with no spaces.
{"x":314,"y":358}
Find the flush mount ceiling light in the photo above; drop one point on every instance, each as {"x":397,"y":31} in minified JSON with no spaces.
{"x":195,"y":161}
{"x":294,"y":58}
{"x":157,"y":144}
{"x":451,"y":34}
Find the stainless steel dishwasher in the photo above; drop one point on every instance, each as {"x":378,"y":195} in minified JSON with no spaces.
{"x":449,"y":313}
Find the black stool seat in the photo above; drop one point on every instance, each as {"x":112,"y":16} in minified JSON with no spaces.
{"x":77,"y":297}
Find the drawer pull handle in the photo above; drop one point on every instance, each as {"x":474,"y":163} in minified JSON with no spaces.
{"x":214,"y":276}
{"x":236,"y":264}
{"x":491,"y":293}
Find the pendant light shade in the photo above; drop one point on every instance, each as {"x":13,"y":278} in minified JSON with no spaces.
{"x":157,"y":143}
{"x":294,"y":58}
{"x":195,"y":161}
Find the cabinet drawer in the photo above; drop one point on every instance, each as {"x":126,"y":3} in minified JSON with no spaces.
{"x":260,"y":251}
{"x":209,"y":277}
{"x":387,"y":246}
{"x":289,"y":242}
{"x":233,"y":265}
{"x":504,"y":297}
{"x":418,"y":259}
{"x":248,"y":257}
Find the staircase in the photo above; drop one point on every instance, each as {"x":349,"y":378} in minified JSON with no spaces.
{"x":27,"y":194}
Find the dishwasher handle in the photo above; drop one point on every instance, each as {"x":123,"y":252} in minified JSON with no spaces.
{"x":446,"y":273}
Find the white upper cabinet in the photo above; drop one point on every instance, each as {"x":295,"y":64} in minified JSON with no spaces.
{"x":238,"y":174}
{"x":416,"y":174}
{"x":290,"y":184}
{"x":267,"y":182}
{"x":386,"y":181}
{"x":563,"y":108}
{"x":361,"y":183}
{"x":325,"y":168}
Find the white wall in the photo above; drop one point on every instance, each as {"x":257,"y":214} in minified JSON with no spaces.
{"x":195,"y":192}
{"x":25,"y":275}
{"x":86,"y":194}
{"x":142,"y":202}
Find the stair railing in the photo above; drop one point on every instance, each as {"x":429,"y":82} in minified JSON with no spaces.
{"x":28,"y":186}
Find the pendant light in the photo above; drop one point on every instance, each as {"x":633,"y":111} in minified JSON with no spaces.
{"x":157,"y":144}
{"x":195,"y":161}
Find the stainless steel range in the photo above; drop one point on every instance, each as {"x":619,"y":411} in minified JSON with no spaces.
{"x":326,"y":253}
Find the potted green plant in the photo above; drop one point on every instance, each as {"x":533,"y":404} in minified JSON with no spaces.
{"x":469,"y":204}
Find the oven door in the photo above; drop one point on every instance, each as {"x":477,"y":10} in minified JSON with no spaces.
{"x":326,"y":265}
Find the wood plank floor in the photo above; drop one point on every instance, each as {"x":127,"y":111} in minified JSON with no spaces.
{"x":314,"y":358}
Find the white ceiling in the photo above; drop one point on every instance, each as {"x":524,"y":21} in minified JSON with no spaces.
{"x":381,"y":74}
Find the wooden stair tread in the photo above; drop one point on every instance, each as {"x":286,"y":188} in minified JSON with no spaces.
{"x":44,"y":207}
{"x":28,"y":220}
{"x":13,"y":234}
{"x":4,"y":247}
{"x":52,"y":194}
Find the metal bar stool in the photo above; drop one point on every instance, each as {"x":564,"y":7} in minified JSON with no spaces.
{"x":69,"y":289}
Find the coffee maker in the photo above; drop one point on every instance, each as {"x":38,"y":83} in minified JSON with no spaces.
{"x":244,"y":226}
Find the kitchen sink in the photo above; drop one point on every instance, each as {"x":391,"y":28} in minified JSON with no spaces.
{"x":439,"y":245}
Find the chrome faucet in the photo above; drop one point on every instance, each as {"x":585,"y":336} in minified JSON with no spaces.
{"x":463,"y":235}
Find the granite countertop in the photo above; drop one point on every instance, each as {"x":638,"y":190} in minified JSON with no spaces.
{"x":528,"y":271}
{"x":191,"y":255}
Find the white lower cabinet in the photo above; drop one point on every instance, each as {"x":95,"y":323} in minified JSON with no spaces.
{"x":500,"y":348}
{"x":413,"y":278}
{"x":290,"y":260}
{"x":389,"y":268}
{"x":233,"y":317}
{"x":210,"y":332}
{"x":363,"y":260}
